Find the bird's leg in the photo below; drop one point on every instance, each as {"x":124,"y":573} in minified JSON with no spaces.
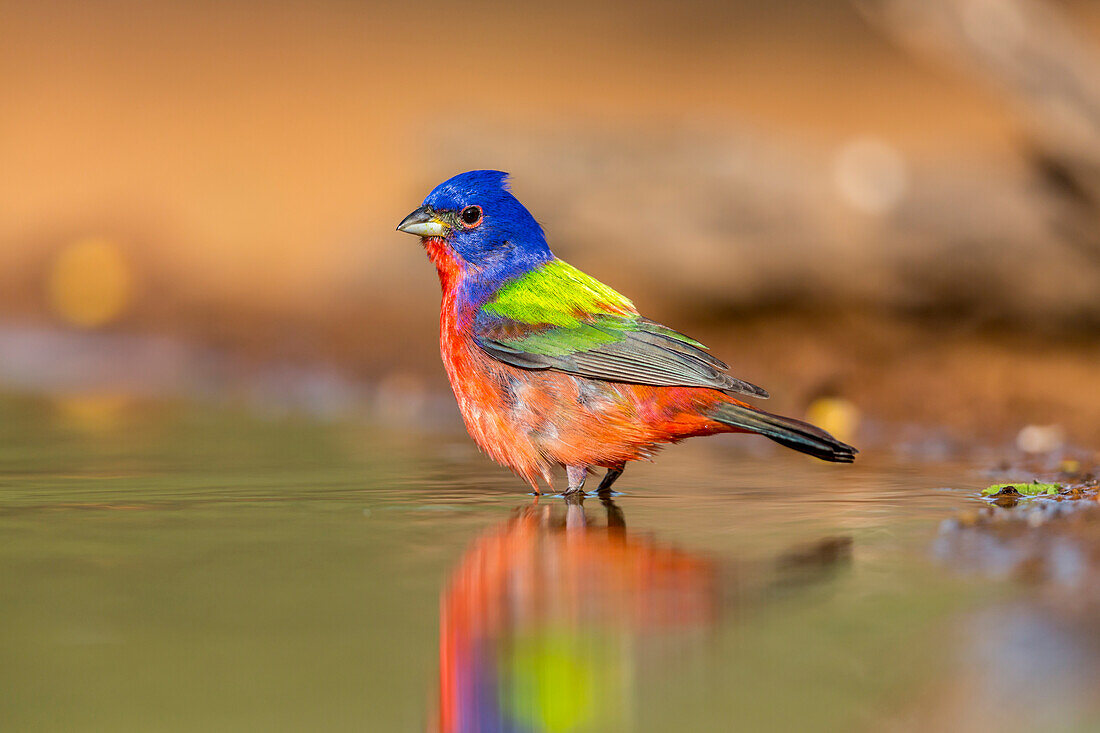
{"x":609,"y":478}
{"x":575,"y":521}
{"x":576,"y":476}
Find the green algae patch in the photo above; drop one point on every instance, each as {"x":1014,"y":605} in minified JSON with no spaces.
{"x":1034,"y":488}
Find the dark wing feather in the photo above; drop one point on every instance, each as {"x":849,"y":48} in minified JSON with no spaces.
{"x":613,"y":348}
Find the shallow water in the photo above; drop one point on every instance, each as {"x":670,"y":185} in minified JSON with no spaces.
{"x":184,"y":568}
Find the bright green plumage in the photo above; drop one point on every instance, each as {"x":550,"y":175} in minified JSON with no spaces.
{"x":556,"y":294}
{"x":560,"y":341}
{"x":557,"y":317}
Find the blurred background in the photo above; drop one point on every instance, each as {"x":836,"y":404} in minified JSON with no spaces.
{"x":235,"y":492}
{"x":891,"y":201}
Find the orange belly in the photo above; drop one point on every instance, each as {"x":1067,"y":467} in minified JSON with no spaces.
{"x":532,"y":421}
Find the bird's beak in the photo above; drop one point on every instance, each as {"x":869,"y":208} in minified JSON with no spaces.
{"x":424,"y":223}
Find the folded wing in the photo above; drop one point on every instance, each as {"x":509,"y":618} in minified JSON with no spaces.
{"x":557,"y":317}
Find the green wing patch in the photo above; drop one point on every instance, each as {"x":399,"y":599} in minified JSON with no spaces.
{"x":557,"y":294}
{"x":558,"y":318}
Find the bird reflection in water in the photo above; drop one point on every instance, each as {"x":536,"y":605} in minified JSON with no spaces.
{"x":539,"y":621}
{"x":543,"y":622}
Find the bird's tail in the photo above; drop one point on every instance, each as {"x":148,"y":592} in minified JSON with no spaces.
{"x":786,"y":431}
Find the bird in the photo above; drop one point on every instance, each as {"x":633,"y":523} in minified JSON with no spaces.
{"x":553,"y":369}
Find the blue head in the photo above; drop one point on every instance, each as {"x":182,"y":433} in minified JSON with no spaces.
{"x":494,"y":237}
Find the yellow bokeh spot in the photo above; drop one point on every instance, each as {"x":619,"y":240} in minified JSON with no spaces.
{"x":90,"y":282}
{"x":835,"y":415}
{"x":92,"y":412}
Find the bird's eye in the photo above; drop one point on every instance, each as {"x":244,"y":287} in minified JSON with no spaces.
{"x":471,"y":216}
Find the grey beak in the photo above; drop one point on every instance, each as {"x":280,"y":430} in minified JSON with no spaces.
{"x":424,"y":223}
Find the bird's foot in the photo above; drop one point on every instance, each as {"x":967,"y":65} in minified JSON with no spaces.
{"x":612,"y":475}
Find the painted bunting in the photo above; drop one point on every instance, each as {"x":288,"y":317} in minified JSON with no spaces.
{"x":551,"y":367}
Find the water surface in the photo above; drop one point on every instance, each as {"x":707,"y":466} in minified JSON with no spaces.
{"x":187,"y":568}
